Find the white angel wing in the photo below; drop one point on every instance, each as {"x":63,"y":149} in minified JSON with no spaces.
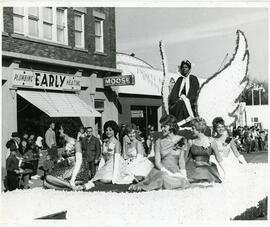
{"x":218,"y":96}
{"x":166,"y":79}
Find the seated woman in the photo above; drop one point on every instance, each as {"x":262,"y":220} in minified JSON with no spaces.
{"x":133,"y":152}
{"x":114,"y":169}
{"x":226,"y":146}
{"x":169,"y":171}
{"x":71,"y":172}
{"x":199,"y":168}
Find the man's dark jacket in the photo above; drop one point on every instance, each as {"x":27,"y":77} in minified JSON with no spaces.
{"x":91,"y":148}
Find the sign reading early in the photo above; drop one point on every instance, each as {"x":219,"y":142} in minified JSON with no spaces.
{"x":119,"y":80}
{"x":45,"y":80}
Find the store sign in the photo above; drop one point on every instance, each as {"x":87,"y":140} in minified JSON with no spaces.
{"x":136,"y":113}
{"x":45,"y":80}
{"x":119,"y":80}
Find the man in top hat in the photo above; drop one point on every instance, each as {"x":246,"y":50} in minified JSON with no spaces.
{"x":183,"y":97}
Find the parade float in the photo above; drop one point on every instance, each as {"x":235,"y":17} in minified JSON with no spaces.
{"x":210,"y":204}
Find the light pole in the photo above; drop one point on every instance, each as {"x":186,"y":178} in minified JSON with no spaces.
{"x":252,"y":96}
{"x":261,"y":89}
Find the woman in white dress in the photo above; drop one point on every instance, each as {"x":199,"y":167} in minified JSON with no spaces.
{"x":114,"y":169}
{"x":227,"y":147}
{"x":134,"y":154}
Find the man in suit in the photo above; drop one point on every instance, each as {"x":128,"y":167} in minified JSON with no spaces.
{"x":91,"y":150}
{"x":182,"y":100}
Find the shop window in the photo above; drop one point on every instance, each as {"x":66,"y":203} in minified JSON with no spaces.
{"x":255,"y":119}
{"x":79,"y":29}
{"x":48,"y":23}
{"x":99,"y":105}
{"x":142,"y":116}
{"x":99,"y":39}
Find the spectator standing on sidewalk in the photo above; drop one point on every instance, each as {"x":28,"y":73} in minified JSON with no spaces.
{"x":254,"y":139}
{"x":50,"y":141}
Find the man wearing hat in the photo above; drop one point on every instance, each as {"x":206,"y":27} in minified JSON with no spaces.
{"x":182,"y":100}
{"x":13,"y":143}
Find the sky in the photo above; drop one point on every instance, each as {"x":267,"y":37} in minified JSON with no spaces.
{"x":203,"y":35}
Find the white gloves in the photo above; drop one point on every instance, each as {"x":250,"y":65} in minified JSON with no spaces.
{"x":184,"y":173}
{"x":139,"y":156}
{"x":72,"y":183}
{"x":115,"y":167}
{"x":163,"y":169}
{"x":242,"y":159}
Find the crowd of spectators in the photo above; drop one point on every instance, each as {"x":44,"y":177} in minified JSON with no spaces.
{"x":251,"y":139}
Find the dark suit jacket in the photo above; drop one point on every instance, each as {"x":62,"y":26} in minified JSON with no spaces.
{"x":91,"y":148}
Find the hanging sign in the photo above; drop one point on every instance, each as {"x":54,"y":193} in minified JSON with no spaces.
{"x":45,"y":80}
{"x":136,"y":113}
{"x":119,"y":80}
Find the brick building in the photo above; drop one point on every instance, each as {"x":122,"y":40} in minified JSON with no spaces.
{"x":53,"y":63}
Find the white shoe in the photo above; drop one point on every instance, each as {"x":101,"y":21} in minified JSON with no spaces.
{"x":35,"y":177}
{"x":89,"y":185}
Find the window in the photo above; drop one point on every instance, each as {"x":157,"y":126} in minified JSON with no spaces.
{"x":99,"y":46}
{"x":48,"y":23}
{"x":18,"y":19}
{"x":79,"y":30}
{"x":99,"y":104}
{"x":33,"y":19}
{"x":61,"y":26}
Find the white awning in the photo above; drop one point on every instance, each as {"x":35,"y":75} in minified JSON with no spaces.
{"x":59,"y":104}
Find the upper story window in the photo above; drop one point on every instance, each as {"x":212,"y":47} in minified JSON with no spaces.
{"x":99,"y":36}
{"x":33,"y":20}
{"x":61,"y":26}
{"x":47,"y":23}
{"x":79,"y":29}
{"x":18,"y":19}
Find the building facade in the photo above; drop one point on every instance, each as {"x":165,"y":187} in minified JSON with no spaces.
{"x":140,"y":103}
{"x":53,"y":63}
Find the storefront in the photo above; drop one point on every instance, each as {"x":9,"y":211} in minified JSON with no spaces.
{"x":32,"y":96}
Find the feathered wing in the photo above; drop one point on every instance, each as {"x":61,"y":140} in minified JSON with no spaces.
{"x":218,"y":96}
{"x":166,"y":79}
